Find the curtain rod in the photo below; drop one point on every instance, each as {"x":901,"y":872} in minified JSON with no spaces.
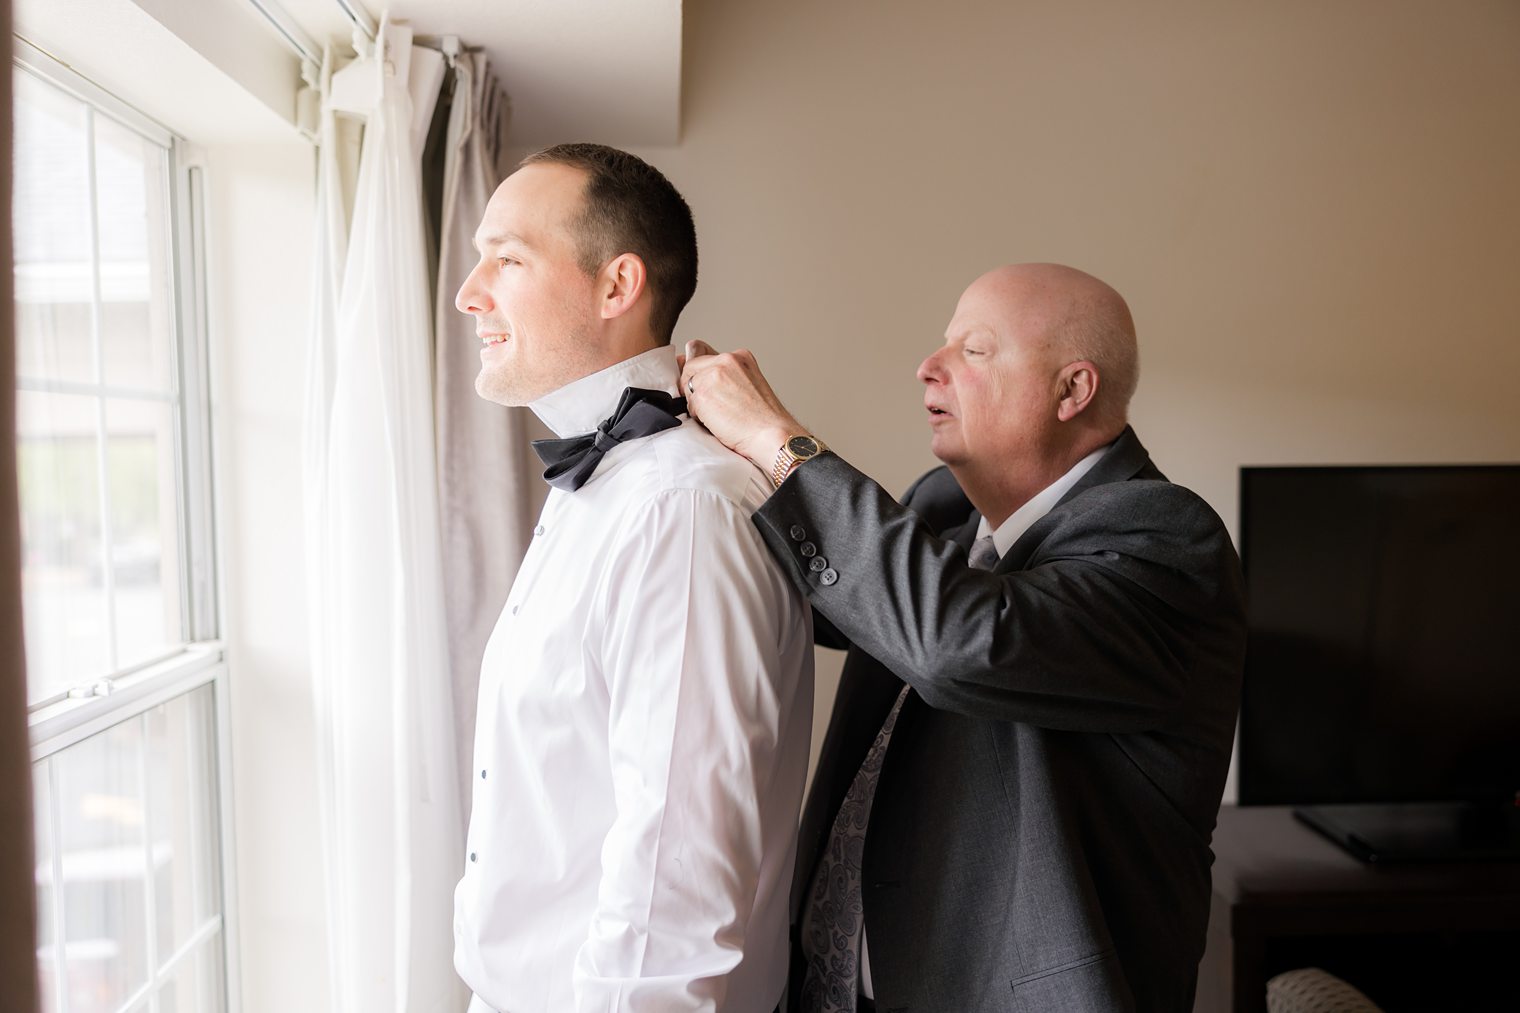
{"x":294,"y":35}
{"x":305,"y":47}
{"x":361,"y":18}
{"x":365,"y":22}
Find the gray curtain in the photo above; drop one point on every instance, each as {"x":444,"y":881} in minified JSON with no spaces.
{"x":489,"y":489}
{"x":18,"y":913}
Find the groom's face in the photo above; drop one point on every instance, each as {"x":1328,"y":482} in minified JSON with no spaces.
{"x":534,"y":304}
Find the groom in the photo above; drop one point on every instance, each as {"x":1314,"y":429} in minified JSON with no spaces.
{"x":646,"y":696}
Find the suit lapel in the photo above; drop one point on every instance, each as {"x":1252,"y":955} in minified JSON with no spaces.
{"x":1125,"y":460}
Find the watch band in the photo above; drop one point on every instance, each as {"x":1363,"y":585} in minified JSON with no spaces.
{"x":782,"y":469}
{"x":788,"y":459}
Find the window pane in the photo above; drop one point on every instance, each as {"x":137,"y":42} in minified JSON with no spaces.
{"x":62,"y":569}
{"x":104,"y":868}
{"x":42,"y":825}
{"x":182,"y":815}
{"x":143,"y":484}
{"x":208,"y":853}
{"x":51,"y":204}
{"x":136,"y":324}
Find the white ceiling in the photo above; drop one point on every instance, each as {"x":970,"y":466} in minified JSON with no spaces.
{"x":576,"y":70}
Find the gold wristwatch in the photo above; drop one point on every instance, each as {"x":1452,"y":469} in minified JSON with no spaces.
{"x":793,"y":452}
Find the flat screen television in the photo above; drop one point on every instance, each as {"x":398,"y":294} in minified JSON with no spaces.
{"x":1384,"y":654}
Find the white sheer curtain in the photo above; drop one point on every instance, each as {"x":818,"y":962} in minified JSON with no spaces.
{"x":489,"y":483}
{"x":391,"y":826}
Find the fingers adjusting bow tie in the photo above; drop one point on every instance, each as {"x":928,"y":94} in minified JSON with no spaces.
{"x":571,"y":462}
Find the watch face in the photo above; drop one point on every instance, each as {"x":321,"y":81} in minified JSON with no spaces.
{"x":802,"y":446}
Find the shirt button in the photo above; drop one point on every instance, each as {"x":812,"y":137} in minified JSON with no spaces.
{"x":797,"y":533}
{"x":808,"y":549}
{"x":482,"y":775}
{"x":514,"y":610}
{"x":538,"y":530}
{"x":472,"y":856}
{"x":818,"y":564}
{"x":828,"y":577}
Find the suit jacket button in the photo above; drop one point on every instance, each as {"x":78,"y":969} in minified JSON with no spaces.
{"x":797,"y":533}
{"x":808,"y":549}
{"x":828,"y":576}
{"x":818,"y":564}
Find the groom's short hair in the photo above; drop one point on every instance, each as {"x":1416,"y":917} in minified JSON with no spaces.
{"x":631,"y":208}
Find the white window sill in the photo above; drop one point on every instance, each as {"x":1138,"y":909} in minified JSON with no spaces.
{"x":62,"y":723}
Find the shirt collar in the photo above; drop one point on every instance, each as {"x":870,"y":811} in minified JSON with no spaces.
{"x":1041,"y":504}
{"x":580,"y":405}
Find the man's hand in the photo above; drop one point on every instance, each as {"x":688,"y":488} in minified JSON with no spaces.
{"x":727,"y":394}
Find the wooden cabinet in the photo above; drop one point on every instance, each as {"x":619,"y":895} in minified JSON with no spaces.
{"x":1414,"y":937}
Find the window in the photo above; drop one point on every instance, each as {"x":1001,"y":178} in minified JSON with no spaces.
{"x":125,"y":681}
{"x":96,"y":442}
{"x":128,"y":868}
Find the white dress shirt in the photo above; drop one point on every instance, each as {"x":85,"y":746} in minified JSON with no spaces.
{"x":642,"y":739}
{"x":1008,"y":532}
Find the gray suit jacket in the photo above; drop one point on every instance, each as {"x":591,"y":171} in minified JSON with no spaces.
{"x":1039,"y":839}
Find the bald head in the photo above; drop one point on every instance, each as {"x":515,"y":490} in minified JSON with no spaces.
{"x":1074,"y":317}
{"x":1036,"y":372}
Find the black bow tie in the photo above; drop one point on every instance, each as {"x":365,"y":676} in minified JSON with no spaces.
{"x":640,"y":412}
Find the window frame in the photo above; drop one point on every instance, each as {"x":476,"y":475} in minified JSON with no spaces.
{"x":61,"y":721}
{"x":79,"y":724}
{"x":189,"y":393}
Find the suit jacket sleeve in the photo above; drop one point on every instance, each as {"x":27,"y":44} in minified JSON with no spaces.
{"x":1097,"y":634}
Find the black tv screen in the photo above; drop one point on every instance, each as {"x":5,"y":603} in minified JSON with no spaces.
{"x":1384,"y":656}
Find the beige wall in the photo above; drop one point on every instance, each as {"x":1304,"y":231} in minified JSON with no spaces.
{"x":1314,"y":210}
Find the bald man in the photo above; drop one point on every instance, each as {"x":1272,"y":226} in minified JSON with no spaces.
{"x":1020,"y":779}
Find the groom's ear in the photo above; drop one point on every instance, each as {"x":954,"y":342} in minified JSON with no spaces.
{"x":622,"y":281}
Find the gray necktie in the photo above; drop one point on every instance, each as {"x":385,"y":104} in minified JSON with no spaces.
{"x":833,"y":921}
{"x":984,"y":555}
